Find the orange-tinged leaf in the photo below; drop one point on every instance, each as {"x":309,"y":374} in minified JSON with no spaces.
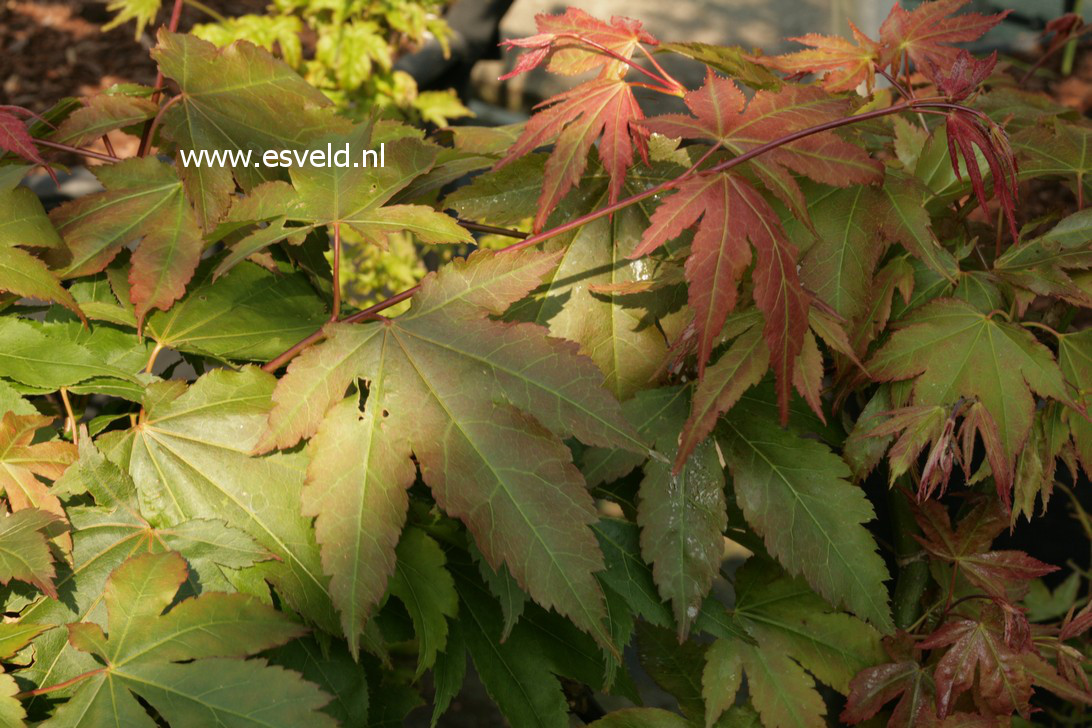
{"x":22,"y":463}
{"x":481,"y":405}
{"x":602,"y":109}
{"x":844,"y":64}
{"x":566,"y":40}
{"x":143,"y":201}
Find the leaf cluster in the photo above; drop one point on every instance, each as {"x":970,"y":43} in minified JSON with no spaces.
{"x":737,"y":333}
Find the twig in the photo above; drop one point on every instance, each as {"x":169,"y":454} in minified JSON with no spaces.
{"x":172,"y":26}
{"x":77,"y":150}
{"x":336,"y":309}
{"x":71,"y":422}
{"x":146,"y":139}
{"x":491,"y":230}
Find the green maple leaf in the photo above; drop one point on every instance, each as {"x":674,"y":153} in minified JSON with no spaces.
{"x":428,"y":592}
{"x":143,"y":201}
{"x":794,"y":493}
{"x":1042,"y":265}
{"x":237,"y":98}
{"x":580,"y":301}
{"x":513,"y":672}
{"x":106,"y":534}
{"x":953,"y":351}
{"x":853,"y":228}
{"x":452,"y":387}
{"x":185,"y":661}
{"x":190,"y":458}
{"x":583,"y":298}
{"x":791,"y":627}
{"x":355,"y":197}
{"x":249,"y":313}
{"x":682,"y":516}
{"x":1075,"y":357}
{"x":23,"y":222}
{"x":1059,"y":152}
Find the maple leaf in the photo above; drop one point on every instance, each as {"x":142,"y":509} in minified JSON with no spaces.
{"x":190,"y":459}
{"x":905,"y":679}
{"x":143,"y":201}
{"x":602,"y":107}
{"x":185,"y":661}
{"x":731,"y":210}
{"x":966,"y":131}
{"x":15,"y":138}
{"x":722,"y":114}
{"x":996,"y":363}
{"x":24,"y":548}
{"x":486,"y":460}
{"x":355,"y":197}
{"x":964,"y":75}
{"x":1004,"y":575}
{"x":924,"y":35}
{"x":21,"y":461}
{"x":23,"y":222}
{"x":1044,"y":264}
{"x":1004,"y":686}
{"x":236,"y":98}
{"x":793,"y":493}
{"x":590,"y":299}
{"x":103,"y":113}
{"x":732,"y":213}
{"x":682,"y":518}
{"x":844,"y":65}
{"x":567,"y":39}
{"x":104,"y":536}
{"x":1060,"y":150}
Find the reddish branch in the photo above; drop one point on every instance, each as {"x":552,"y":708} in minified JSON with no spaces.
{"x":146,"y":136}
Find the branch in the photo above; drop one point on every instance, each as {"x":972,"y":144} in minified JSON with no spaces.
{"x":372,"y":311}
{"x":172,"y":26}
{"x":149,"y":131}
{"x":77,"y":150}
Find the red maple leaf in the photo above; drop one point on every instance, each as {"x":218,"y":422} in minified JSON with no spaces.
{"x":15,"y":138}
{"x":576,"y":43}
{"x":844,"y":64}
{"x":722,"y":114}
{"x":1004,"y":575}
{"x":903,"y":678}
{"x":966,"y":73}
{"x":733,"y":212}
{"x":978,"y":645}
{"x":968,"y":130}
{"x":926,"y":33}
{"x":603,"y":107}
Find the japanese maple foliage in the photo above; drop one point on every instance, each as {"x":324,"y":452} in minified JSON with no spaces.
{"x":229,"y":497}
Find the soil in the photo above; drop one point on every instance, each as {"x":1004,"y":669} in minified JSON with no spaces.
{"x":50,"y":49}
